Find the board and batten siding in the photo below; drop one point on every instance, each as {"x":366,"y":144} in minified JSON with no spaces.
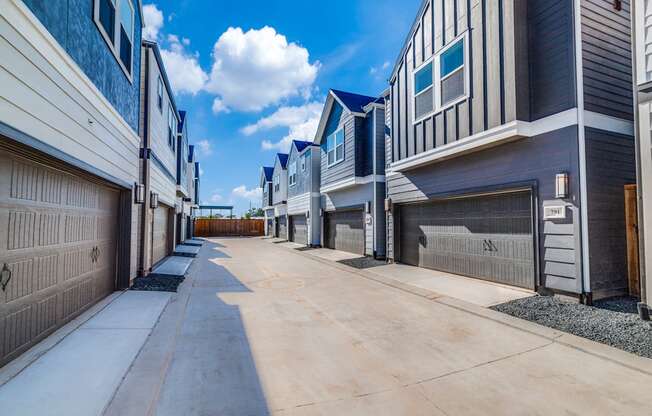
{"x":611,"y":164}
{"x":607,"y":58}
{"x":517,"y":163}
{"x":504,"y":81}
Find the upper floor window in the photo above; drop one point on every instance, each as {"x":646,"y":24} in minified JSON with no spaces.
{"x":335,"y":147}
{"x":292,"y":173}
{"x":172,"y":127}
{"x":277,"y":183}
{"x":115,"y":19}
{"x":441,"y":81}
{"x":159,"y":92}
{"x":304,"y":159}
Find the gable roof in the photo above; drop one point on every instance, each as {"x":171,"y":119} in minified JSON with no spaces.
{"x":182,"y":120}
{"x":268,"y":172}
{"x":283,"y":158}
{"x":353,"y":103}
{"x":408,"y":39}
{"x":301,"y":145}
{"x":159,"y":61}
{"x":191,"y":153}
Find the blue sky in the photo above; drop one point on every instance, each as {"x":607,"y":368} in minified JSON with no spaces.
{"x":254,"y":74}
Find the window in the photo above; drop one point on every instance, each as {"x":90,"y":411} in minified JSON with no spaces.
{"x":115,"y":19}
{"x":172,"y":127}
{"x":304,"y":160}
{"x":423,"y":91}
{"x":452,"y":73}
{"x":441,"y":81}
{"x":277,"y":183}
{"x":292,"y":173}
{"x":159,"y":92}
{"x":335,"y":147}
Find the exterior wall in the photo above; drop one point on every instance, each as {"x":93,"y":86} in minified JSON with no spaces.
{"x":267,"y":194}
{"x":506,"y":166}
{"x":304,"y":178}
{"x":281,"y":196}
{"x":163,"y":159}
{"x":182,"y":164}
{"x":607,"y":58}
{"x":610,"y":166}
{"x":71,"y":24}
{"x":339,"y":118}
{"x":355,"y":196}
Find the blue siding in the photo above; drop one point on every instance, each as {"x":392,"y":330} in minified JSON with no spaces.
{"x":71,"y":23}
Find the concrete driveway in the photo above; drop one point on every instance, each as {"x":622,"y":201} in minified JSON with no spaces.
{"x":261,"y":329}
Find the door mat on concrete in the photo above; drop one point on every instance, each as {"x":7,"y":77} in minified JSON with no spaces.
{"x":611,"y":321}
{"x":305,"y":248}
{"x":362,"y":262}
{"x":157,"y":284}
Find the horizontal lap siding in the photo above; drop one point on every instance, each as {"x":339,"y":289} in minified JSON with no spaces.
{"x":345,"y":169}
{"x":607,"y":59}
{"x":511,"y":163}
{"x":303,"y":177}
{"x":610,"y":166}
{"x":282,"y":195}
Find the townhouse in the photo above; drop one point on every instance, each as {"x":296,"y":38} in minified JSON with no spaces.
{"x":351,"y":136}
{"x":266,"y":184}
{"x":511,"y":142}
{"x":69,"y":161}
{"x":280,"y":195}
{"x":642,"y":48}
{"x":303,"y":203}
{"x":159,"y":154}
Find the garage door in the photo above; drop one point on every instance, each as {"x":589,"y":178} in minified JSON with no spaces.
{"x":282,"y":227}
{"x":299,"y":229}
{"x":160,"y":238}
{"x":488,"y":237}
{"x":57,"y":248}
{"x":344,"y":230}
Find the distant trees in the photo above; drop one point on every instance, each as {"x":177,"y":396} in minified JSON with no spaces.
{"x":253,"y":213}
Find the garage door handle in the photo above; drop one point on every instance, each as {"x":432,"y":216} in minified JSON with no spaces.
{"x":5,"y":276}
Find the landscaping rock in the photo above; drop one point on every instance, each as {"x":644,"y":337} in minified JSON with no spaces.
{"x":613,"y":322}
{"x":157,"y":284}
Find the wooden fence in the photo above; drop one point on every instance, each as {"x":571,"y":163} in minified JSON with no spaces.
{"x":219,"y":227}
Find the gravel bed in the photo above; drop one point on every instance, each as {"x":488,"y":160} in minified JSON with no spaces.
{"x":612,"y":322}
{"x":363,"y":262}
{"x":157,"y":284}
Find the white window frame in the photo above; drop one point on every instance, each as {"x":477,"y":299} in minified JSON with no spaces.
{"x":438,"y":107}
{"x":172,"y":126}
{"x":159,"y":94}
{"x":335,"y":159}
{"x":114,"y":44}
{"x":303,"y":162}
{"x":277,"y":183}
{"x":292,"y":174}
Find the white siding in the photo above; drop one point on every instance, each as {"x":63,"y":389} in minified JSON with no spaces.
{"x":299,"y":204}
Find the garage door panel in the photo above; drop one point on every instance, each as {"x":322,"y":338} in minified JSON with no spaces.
{"x":345,"y":230}
{"x":299,"y":229}
{"x":282,"y":227}
{"x":489,"y":237}
{"x":51,"y":222}
{"x":160,"y":235}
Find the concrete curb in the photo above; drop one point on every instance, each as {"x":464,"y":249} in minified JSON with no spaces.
{"x":606,"y":352}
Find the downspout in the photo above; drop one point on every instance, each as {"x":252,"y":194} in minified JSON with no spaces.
{"x":579,"y":85}
{"x":144,"y":155}
{"x":373,"y":173}
{"x":643,"y":307}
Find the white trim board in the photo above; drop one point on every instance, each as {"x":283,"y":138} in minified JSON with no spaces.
{"x":350,"y":182}
{"x":513,"y":131}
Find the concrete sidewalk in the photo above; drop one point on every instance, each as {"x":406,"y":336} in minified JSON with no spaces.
{"x":77,"y":373}
{"x":258,"y":329}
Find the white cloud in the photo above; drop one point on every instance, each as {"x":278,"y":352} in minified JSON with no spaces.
{"x":254,"y":69}
{"x":153,"y":18}
{"x":182,"y":67}
{"x":216,"y":198}
{"x":205,"y":147}
{"x":201,"y":171}
{"x":302,"y":122}
{"x":220,"y":107}
{"x":377,"y":69}
{"x":250,"y":194}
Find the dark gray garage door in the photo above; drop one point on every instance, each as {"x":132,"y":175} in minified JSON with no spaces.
{"x":281,"y":227}
{"x":344,"y":230}
{"x":299,"y":229}
{"x":488,"y":237}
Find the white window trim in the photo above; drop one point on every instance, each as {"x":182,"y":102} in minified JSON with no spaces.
{"x":303,"y":162}
{"x":292,"y":176}
{"x":437,"y":80}
{"x":114,"y":45}
{"x":159,"y":94}
{"x":335,"y":161}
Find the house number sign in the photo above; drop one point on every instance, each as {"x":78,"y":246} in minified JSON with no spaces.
{"x":554,"y":212}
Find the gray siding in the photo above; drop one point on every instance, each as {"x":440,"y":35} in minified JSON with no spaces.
{"x":281,"y":196}
{"x":516,"y":162}
{"x":551,"y":55}
{"x":610,"y":166}
{"x":607,"y":58}
{"x":304,"y":178}
{"x":379,"y":149}
{"x":345,"y":169}
{"x":379,"y":219}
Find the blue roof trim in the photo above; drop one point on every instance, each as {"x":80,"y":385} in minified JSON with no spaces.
{"x":302,"y":144}
{"x":283,"y":158}
{"x":182,"y":120}
{"x":269,"y":173}
{"x":354,"y":102}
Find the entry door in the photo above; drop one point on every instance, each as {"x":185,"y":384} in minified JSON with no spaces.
{"x":160,"y":233}
{"x":58,"y":244}
{"x":344,"y":230}
{"x":488,"y":237}
{"x":282,"y":227}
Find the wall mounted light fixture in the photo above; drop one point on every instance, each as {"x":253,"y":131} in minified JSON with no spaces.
{"x":139,"y":193}
{"x":153,"y":200}
{"x":561,"y":185}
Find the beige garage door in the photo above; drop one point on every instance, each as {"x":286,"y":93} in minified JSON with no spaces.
{"x":160,"y":237}
{"x":57,"y":249}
